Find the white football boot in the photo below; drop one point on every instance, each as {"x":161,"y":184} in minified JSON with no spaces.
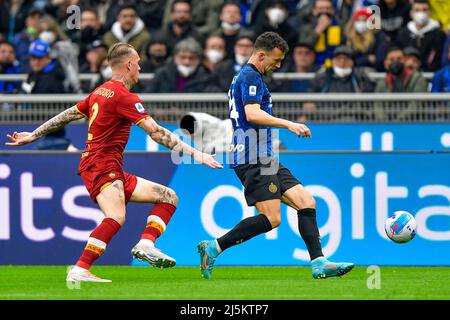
{"x":77,"y":274}
{"x":153,"y":256}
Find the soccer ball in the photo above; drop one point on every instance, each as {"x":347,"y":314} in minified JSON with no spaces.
{"x":400,"y":227}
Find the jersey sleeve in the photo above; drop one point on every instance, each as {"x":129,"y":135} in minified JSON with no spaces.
{"x":131,"y":108}
{"x":83,"y":107}
{"x":252,"y":89}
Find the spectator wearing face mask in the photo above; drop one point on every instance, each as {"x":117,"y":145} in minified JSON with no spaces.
{"x":398,"y":78}
{"x":323,"y":32}
{"x":214,"y":53}
{"x":185,"y":74}
{"x":157,"y":55}
{"x":128,"y":28}
{"x":230,"y":25}
{"x":90,"y":30}
{"x":63,"y":50}
{"x":23,"y":40}
{"x":425,"y":34}
{"x":8,"y":65}
{"x":220,"y":79}
{"x":342,"y":76}
{"x":369,"y":45}
{"x":95,"y":56}
{"x":180,"y":26}
{"x":276,"y":20}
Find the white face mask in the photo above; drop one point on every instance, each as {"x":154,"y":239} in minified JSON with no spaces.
{"x":421,"y":18}
{"x":342,"y":72}
{"x":47,"y":36}
{"x":360,"y":26}
{"x":186,"y":71}
{"x":214,"y":56}
{"x":276,"y":16}
{"x":106,"y":72}
{"x":240,"y":59}
{"x":230,"y":27}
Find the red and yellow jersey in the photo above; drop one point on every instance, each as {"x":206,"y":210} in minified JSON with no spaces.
{"x":111,"y":109}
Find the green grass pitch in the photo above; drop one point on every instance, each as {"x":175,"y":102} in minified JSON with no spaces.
{"x":228,"y":283}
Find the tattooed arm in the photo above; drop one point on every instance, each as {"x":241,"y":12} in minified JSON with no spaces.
{"x":166,"y":138}
{"x":55,"y":123}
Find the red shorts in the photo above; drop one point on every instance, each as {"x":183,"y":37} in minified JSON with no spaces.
{"x":102,"y":175}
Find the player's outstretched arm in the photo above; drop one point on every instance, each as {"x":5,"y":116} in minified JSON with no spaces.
{"x":55,"y":123}
{"x":168,"y":139}
{"x":255,"y":115}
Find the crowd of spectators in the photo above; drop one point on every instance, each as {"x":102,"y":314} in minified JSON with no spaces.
{"x":198,"y":45}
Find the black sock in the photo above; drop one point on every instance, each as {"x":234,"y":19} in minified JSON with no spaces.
{"x":307,"y":226}
{"x":245,"y":230}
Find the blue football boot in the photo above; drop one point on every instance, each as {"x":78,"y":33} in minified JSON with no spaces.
{"x":208,"y":252}
{"x":322,"y":268}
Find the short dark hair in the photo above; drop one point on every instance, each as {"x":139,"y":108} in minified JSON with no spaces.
{"x":393,"y":48}
{"x":269,"y":41}
{"x":172,"y":8}
{"x":127,"y":6}
{"x":8,"y":44}
{"x":421,"y":2}
{"x":230,"y":3}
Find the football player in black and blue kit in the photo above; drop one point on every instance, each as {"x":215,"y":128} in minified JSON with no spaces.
{"x":266,"y":181}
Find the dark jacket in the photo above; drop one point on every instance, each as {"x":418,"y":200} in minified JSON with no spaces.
{"x":392,"y":20}
{"x":12,"y":25}
{"x":172,"y":39}
{"x":357,"y":81}
{"x":429,"y":42}
{"x":10,"y":86}
{"x":165,"y":80}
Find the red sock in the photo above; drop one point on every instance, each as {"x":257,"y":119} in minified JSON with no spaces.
{"x":97,"y":242}
{"x":157,"y":220}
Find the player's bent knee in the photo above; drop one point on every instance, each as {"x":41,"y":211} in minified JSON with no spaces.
{"x":275,"y":220}
{"x":308,"y":202}
{"x":173,"y":197}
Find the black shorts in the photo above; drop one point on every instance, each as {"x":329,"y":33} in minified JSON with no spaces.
{"x":262,"y":183}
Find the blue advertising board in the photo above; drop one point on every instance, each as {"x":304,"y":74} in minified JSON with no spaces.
{"x":365,"y":137}
{"x":46,"y":214}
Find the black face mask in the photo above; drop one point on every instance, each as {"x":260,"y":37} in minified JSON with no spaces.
{"x":88,"y":34}
{"x":396,"y":68}
{"x":5,"y":65}
{"x":159,"y":59}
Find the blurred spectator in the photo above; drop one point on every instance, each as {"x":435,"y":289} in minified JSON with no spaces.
{"x":23,"y":40}
{"x":220,"y":79}
{"x":275,"y":20}
{"x":425,"y":34}
{"x":62,"y":49}
{"x":440,"y":11}
{"x":398,"y":78}
{"x":342,"y":76}
{"x":96,"y":54}
{"x":90,"y":31}
{"x":394,"y":16}
{"x":214,"y":53}
{"x":12,"y":17}
{"x":230,"y":18}
{"x":301,"y":61}
{"x":184,"y":74}
{"x":157,"y":52}
{"x":322,"y":31}
{"x":151,"y":12}
{"x":128,"y":28}
{"x":441,"y":79}
{"x":46,"y":77}
{"x":8,"y":65}
{"x":252,"y":13}
{"x":107,"y":10}
{"x":345,"y":10}
{"x":205,"y":15}
{"x":369,"y":45}
{"x":180,"y":26}
{"x":412,"y":58}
